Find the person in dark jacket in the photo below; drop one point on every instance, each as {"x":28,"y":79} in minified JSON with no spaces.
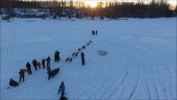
{"x":63,"y":97}
{"x":48,"y":61}
{"x":28,"y":66}
{"x":93,"y":32}
{"x":57,"y":56}
{"x":83,"y":58}
{"x":43,"y":63}
{"x":22,"y":75}
{"x":13,"y":82}
{"x":82,"y":55}
{"x":35,"y":64}
{"x":49,"y":72}
{"x":62,"y":88}
{"x":96,"y":32}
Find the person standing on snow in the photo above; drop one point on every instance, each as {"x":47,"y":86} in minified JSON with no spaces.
{"x":48,"y":61}
{"x":57,"y":56}
{"x":93,"y":32}
{"x":49,"y":72}
{"x":39,"y":65}
{"x":43,"y":63}
{"x":28,"y":66}
{"x":96,"y":32}
{"x":22,"y":75}
{"x":62,"y":88}
{"x":35,"y":64}
{"x":83,"y":58}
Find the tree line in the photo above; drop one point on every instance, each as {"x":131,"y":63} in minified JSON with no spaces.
{"x":113,"y":9}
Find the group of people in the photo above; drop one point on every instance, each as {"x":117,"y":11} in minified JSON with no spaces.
{"x":94,"y":32}
{"x":36,"y":65}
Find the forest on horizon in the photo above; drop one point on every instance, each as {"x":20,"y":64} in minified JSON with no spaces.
{"x":110,"y":9}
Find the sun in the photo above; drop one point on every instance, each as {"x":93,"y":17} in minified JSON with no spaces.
{"x":91,"y":3}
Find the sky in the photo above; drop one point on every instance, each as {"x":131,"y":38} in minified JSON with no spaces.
{"x":93,"y":3}
{"x":174,"y":2}
{"x":129,"y":59}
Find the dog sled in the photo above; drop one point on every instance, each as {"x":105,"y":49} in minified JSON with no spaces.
{"x":54,"y":72}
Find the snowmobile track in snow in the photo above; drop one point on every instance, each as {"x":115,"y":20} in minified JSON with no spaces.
{"x":136,"y":85}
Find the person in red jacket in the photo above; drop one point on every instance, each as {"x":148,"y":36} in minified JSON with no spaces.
{"x":39,"y":65}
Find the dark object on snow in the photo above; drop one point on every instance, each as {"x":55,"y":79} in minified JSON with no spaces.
{"x":22,"y":75}
{"x":63,"y":98}
{"x":83,"y":61}
{"x":90,"y":41}
{"x":62,"y":88}
{"x":39,"y":65}
{"x":67,"y":59}
{"x":70,"y":60}
{"x":13,"y":82}
{"x":76,"y":54}
{"x":28,"y":66}
{"x":34,"y":64}
{"x":83,"y":58}
{"x":54,"y":72}
{"x":57,"y":56}
{"x":49,"y":72}
{"x":43,"y":63}
{"x":79,"y":49}
{"x":82,"y":55}
{"x":48,"y":61}
{"x":93,"y":32}
{"x":54,"y":17}
{"x":83,"y":47}
{"x":96,"y":32}
{"x":73,"y":54}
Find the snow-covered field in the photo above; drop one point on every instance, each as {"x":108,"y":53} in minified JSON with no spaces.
{"x":140,"y":61}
